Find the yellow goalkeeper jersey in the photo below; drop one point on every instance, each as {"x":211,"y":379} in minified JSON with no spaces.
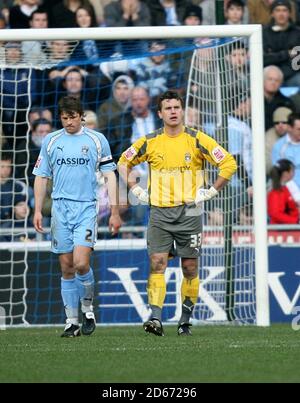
{"x":176,"y":164}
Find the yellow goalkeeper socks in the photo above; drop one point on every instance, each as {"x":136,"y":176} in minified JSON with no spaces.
{"x":156,"y":289}
{"x":189,"y":296}
{"x":190,"y":289}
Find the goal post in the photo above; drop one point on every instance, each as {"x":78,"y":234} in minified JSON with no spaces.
{"x":253,"y":33}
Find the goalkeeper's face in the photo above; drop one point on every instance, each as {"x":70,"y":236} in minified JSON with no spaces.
{"x":171,"y":112}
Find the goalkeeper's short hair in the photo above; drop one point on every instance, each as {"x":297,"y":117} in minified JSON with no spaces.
{"x":169,"y":95}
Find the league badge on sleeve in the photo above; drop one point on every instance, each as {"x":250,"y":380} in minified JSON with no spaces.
{"x":38,"y":162}
{"x":130,"y":153}
{"x":218,"y":154}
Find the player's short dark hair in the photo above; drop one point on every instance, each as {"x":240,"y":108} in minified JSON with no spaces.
{"x":169,"y":95}
{"x":70,"y":105}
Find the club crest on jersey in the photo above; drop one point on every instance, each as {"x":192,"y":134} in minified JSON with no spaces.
{"x":187,"y":157}
{"x":130,"y":153}
{"x":84,"y":150}
{"x":218,"y":154}
{"x":38,"y":162}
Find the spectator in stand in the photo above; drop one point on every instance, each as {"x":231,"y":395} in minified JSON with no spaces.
{"x":296,"y":100}
{"x":273,"y":78}
{"x":288,"y":146}
{"x":19,"y":15}
{"x":193,"y":117}
{"x":2,"y":139}
{"x":76,"y":84}
{"x":239,"y":143}
{"x":36,"y":51}
{"x":192,"y":15}
{"x":279,"y":129}
{"x":132,"y":125}
{"x":19,"y":222}
{"x":260,"y":11}
{"x":5,"y":6}
{"x":2,"y":21}
{"x":64,"y":13}
{"x":91,"y":120}
{"x":279,"y":40}
{"x":127,"y":13}
{"x":9,"y":187}
{"x":59,"y":51}
{"x":117,"y":104}
{"x":237,"y":69}
{"x":40,"y":129}
{"x":209,"y":12}
{"x":167,"y":12}
{"x":18,"y":91}
{"x":51,"y":80}
{"x":245,"y":215}
{"x":88,"y":49}
{"x":282,"y":208}
{"x":99,"y":6}
{"x":234,"y":12}
{"x":36,"y":113}
{"x":154,"y":73}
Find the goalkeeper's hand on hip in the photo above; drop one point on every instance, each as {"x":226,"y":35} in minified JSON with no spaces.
{"x":203,"y":195}
{"x":140,"y":193}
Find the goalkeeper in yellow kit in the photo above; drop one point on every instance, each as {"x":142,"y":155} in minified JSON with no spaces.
{"x":176,"y":155}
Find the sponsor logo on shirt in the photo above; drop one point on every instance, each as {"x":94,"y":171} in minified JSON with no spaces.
{"x":218,"y":154}
{"x":130,"y":153}
{"x":38,"y":162}
{"x":72,"y":161}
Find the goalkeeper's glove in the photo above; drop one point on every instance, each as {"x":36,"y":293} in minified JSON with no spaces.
{"x":203,"y":195}
{"x":140,"y":193}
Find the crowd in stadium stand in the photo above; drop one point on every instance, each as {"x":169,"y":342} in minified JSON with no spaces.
{"x":118,"y":94}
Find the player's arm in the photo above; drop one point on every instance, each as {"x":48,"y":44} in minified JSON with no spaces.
{"x":40,"y":190}
{"x":115,"y":221}
{"x":134,"y":155}
{"x":42,"y":171}
{"x":218,"y":156}
{"x":107,"y":167}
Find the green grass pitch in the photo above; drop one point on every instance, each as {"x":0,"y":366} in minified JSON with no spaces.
{"x":127,"y":354}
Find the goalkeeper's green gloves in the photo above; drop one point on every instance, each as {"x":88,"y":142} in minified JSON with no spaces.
{"x":203,"y":195}
{"x":140,"y":193}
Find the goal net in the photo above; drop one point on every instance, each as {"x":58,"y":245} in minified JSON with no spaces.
{"x":122,"y":78}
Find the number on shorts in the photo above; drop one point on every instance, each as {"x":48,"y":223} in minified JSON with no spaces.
{"x":196,"y":240}
{"x":88,"y":236}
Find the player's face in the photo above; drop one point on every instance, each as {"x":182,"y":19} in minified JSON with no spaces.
{"x":171,"y":112}
{"x":71,"y":122}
